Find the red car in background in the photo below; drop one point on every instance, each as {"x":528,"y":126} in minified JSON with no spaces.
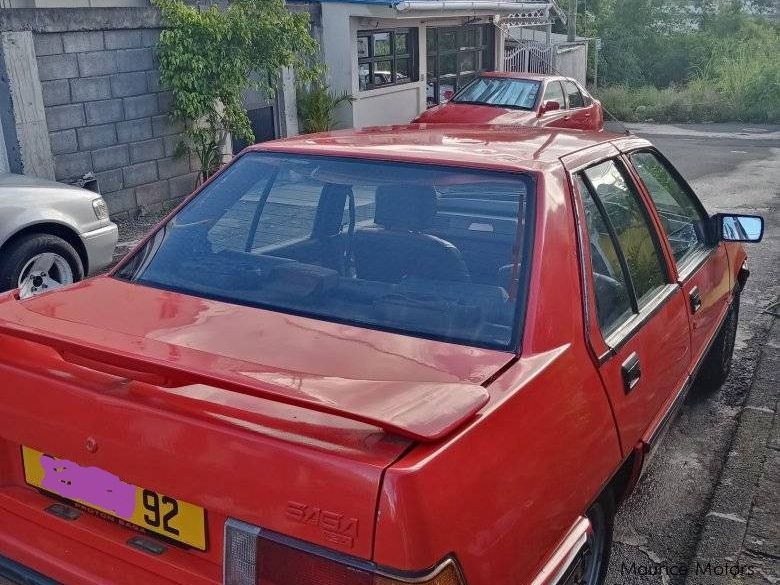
{"x":434,"y":355}
{"x":524,"y":99}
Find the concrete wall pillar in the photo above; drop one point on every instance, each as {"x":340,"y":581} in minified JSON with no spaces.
{"x":287,"y":104}
{"x":24,"y":86}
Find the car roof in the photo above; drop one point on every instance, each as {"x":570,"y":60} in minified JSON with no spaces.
{"x":477,"y":146}
{"x":524,"y":75}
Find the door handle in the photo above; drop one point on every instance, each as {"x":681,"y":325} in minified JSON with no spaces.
{"x":695,"y":298}
{"x":631,"y":371}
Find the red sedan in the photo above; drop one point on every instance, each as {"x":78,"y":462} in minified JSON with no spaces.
{"x":399,"y":355}
{"x":524,"y":99}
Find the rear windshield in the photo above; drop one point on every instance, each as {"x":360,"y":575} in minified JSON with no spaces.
{"x":493,"y":91}
{"x":424,"y":250}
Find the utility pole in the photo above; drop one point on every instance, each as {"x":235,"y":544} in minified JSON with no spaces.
{"x":571,"y":21}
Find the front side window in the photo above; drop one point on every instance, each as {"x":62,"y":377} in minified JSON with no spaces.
{"x":626,"y":214}
{"x":554,"y":93}
{"x":423,"y":250}
{"x":505,"y":93}
{"x":573,"y":94}
{"x":683,"y":219}
{"x":387,"y":57}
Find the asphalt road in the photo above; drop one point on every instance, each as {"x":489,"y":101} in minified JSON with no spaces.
{"x":731,"y":167}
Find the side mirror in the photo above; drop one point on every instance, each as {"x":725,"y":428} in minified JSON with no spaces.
{"x":549,"y":106}
{"x":734,"y":227}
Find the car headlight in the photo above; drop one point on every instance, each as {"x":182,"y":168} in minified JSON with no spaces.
{"x":100,"y":207}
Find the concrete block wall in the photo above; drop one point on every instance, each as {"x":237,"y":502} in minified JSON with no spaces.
{"x":107,"y":113}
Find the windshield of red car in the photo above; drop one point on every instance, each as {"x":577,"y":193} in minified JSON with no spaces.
{"x":418,"y":249}
{"x":502,"y":92}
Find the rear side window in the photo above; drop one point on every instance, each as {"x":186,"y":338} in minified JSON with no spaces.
{"x":630,"y":222}
{"x":682,"y":218}
{"x":574,"y":95}
{"x":554,"y":93}
{"x":613,"y":303}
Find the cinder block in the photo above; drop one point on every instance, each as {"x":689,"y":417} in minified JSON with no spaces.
{"x":81,"y":42}
{"x":57,"y":67}
{"x":105,"y":111}
{"x":63,"y":142}
{"x":47,"y":44}
{"x":97,"y":63}
{"x":150,"y":37}
{"x":112,"y":157}
{"x":69,"y":166}
{"x":172,"y":144}
{"x":120,"y":201}
{"x":93,"y":137}
{"x":128,"y":84}
{"x":140,"y":174}
{"x":122,"y":39}
{"x":165,"y":125}
{"x":110,"y":181}
{"x":153,"y":81}
{"x":184,"y":185}
{"x":165,"y":101}
{"x":152,"y":193}
{"x":146,"y":150}
{"x":134,"y":60}
{"x":90,"y":89}
{"x":141,"y":106}
{"x":64,"y":117}
{"x":134,"y":130}
{"x":56,"y":92}
{"x":173,"y":167}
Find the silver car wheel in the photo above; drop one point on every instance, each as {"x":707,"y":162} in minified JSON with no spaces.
{"x":44,"y":272}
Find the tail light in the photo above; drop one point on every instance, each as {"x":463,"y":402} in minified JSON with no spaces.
{"x":256,"y":557}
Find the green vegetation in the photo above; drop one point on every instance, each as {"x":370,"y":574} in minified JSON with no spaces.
{"x":209,"y":58}
{"x":317,"y":106}
{"x":677,"y":60}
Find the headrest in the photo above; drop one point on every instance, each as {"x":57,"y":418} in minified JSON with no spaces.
{"x":405,"y":207}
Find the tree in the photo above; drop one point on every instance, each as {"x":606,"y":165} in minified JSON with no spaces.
{"x":207,"y":58}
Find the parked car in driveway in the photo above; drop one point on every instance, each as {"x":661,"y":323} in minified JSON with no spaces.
{"x":51,"y":234}
{"x":524,"y":99}
{"x":432,"y":355}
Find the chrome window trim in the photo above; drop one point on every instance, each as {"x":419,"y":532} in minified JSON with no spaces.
{"x":623,"y":334}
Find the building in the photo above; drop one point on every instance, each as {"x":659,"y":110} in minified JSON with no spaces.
{"x":397,"y":57}
{"x":80,"y":91}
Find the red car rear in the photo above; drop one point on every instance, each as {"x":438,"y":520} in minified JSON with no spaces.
{"x":524,"y":99}
{"x":400,"y":355}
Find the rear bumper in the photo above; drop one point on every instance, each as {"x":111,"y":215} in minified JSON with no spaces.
{"x":21,"y":575}
{"x":100,"y":245}
{"x":47,"y":550}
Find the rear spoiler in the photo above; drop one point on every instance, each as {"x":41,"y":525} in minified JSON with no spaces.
{"x":421,"y":411}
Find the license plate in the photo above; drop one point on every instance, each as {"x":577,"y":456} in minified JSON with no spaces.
{"x":125,"y":503}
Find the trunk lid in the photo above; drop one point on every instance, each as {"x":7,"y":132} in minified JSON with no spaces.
{"x":277,"y":420}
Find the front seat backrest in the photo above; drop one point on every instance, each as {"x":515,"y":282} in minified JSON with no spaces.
{"x":396,"y":246}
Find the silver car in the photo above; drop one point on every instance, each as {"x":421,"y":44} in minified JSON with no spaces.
{"x":51,"y":234}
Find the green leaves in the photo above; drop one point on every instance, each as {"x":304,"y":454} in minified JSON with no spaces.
{"x":317,"y":106}
{"x":207,"y":58}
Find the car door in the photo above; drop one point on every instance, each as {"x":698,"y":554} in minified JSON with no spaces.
{"x":701,"y":267}
{"x":637,"y":313}
{"x":553,"y":92}
{"x":580,"y":115}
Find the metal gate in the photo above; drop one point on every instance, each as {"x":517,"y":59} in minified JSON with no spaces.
{"x":529,"y":57}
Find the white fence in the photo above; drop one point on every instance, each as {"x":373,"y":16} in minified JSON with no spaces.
{"x":527,"y":56}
